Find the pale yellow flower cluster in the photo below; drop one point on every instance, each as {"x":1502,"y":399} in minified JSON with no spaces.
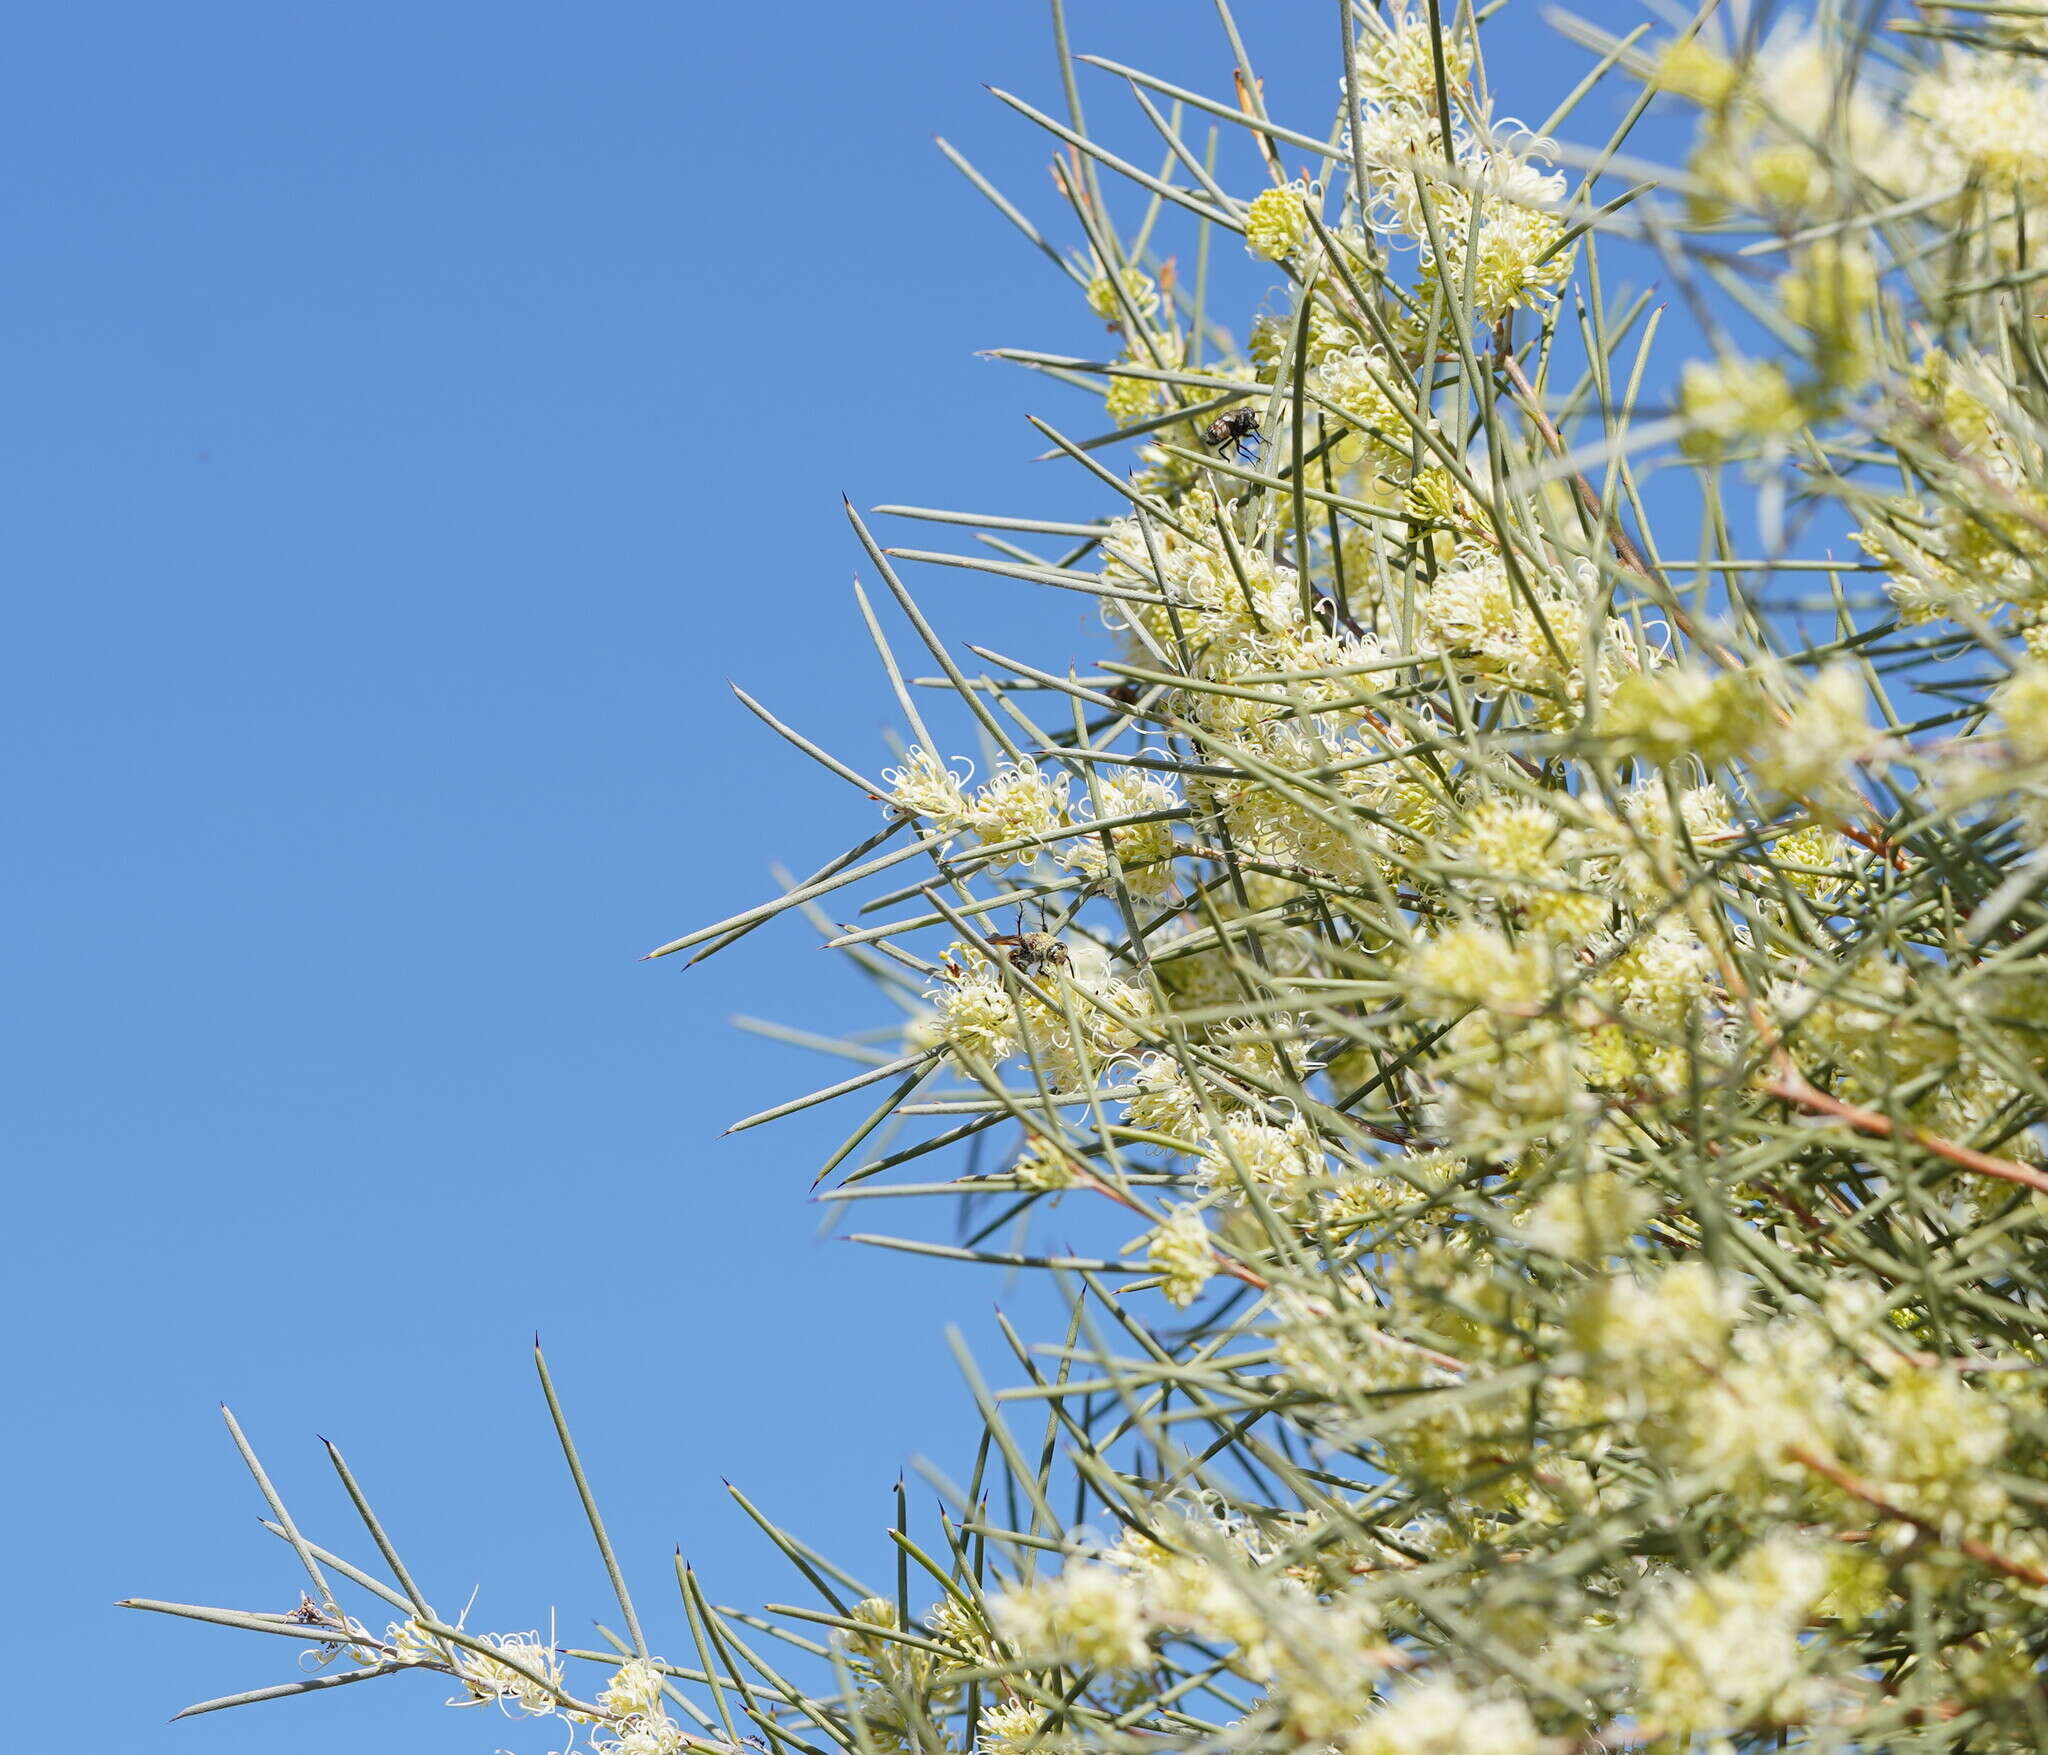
{"x":1318,"y":1653}
{"x":1276,"y":222}
{"x":1724,"y":1647}
{"x":1482,"y":215}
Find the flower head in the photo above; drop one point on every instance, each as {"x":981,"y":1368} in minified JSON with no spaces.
{"x":1276,"y":222}
{"x":1179,"y":1251}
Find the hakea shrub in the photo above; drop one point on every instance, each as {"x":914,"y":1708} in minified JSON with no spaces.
{"x":1550,"y":1024}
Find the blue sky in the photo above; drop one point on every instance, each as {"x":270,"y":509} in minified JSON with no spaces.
{"x":414,"y":415}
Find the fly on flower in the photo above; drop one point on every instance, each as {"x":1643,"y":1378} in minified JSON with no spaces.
{"x":1231,"y":432}
{"x":1031,"y":953}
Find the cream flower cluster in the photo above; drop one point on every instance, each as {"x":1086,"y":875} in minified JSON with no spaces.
{"x":1482,"y":214}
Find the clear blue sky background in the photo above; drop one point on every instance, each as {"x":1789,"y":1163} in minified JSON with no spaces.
{"x":413,"y":414}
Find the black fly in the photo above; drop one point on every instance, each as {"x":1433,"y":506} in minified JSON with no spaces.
{"x":1232,"y":431}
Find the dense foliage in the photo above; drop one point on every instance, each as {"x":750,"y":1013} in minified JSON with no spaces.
{"x":1530,"y":939}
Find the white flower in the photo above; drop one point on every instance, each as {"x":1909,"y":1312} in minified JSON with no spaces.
{"x":926,"y":787}
{"x":1582,"y":1218}
{"x":1164,"y":1100}
{"x":1045,"y":1167}
{"x":1660,"y":978}
{"x":1276,"y":221}
{"x":1516,"y":254}
{"x":1718,"y":1650}
{"x":1733,"y":399}
{"x":1144,"y":851}
{"x":1278,"y":1160}
{"x":528,"y":1679}
{"x":1637,"y":1330}
{"x":1528,"y":637}
{"x":411,"y":1644}
{"x":1779,"y":1387}
{"x":1466,"y":966}
{"x":1359,"y":382}
{"x":1019,"y":802}
{"x":1440,"y":1716}
{"x":2022,"y":704}
{"x":1809,"y":755}
{"x":1397,"y":56}
{"x":1930,"y":1430}
{"x":1398,"y":140}
{"x":1089,"y":1614}
{"x":635,"y":1687}
{"x":1990,"y":116}
{"x":975,"y":1013}
{"x":1009,"y":1727}
{"x":1138,"y":288}
{"x":649,"y":1734}
{"x":1179,"y":1251}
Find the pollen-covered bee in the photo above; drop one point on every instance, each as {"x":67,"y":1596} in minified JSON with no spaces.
{"x":1231,"y":431}
{"x":1032,"y":953}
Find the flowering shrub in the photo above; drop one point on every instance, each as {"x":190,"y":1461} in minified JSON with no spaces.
{"x":1556,"y":1032}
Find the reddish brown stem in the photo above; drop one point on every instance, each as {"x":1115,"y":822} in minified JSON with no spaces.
{"x":1791,"y":1087}
{"x":1981,"y":1552}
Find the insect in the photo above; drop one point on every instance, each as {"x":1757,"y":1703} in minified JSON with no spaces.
{"x":1031,"y":953}
{"x":1232,"y":431}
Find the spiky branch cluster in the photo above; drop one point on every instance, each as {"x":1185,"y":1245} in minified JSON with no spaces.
{"x":1549,"y":1028}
